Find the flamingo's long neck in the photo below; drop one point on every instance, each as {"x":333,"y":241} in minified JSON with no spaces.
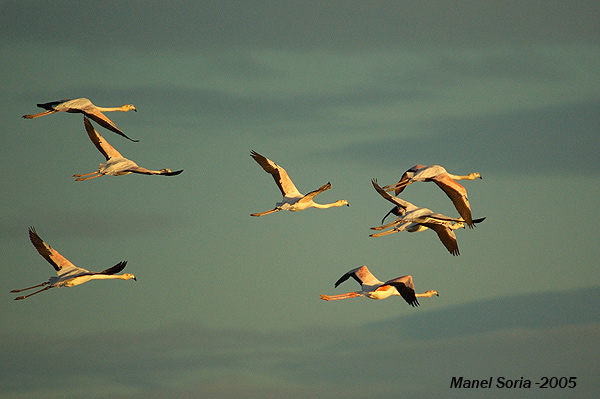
{"x":84,"y":278}
{"x":325,"y":206}
{"x":109,"y":277}
{"x":427,"y":294}
{"x":470,"y":176}
{"x":122,"y":108}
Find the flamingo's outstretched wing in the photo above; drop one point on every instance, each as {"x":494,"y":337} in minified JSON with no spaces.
{"x":61,"y":264}
{"x":405,"y":288}
{"x":97,"y":116}
{"x":362,"y":275}
{"x":446,"y":236}
{"x":394,"y":200}
{"x":101,"y":144}
{"x":458,"y":196}
{"x":283,"y":181}
{"x":115,"y":269}
{"x":313,"y":194}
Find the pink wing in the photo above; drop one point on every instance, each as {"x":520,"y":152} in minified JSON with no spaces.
{"x":101,"y":144}
{"x":283,"y":181}
{"x":405,"y":288}
{"x":59,"y":262}
{"x":458,"y":196}
{"x":362,"y":275}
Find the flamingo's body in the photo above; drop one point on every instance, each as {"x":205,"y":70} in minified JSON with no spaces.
{"x":373,"y":288}
{"x":444,"y":230}
{"x":292,"y":199}
{"x":445,"y":181}
{"x":69,"y":275}
{"x":412,"y":218}
{"x":85,"y":106}
{"x":116,"y":164}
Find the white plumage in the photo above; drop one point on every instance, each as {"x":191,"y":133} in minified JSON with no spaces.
{"x":412,"y":218}
{"x":292,"y":199}
{"x":84,"y":106}
{"x":68,"y":275}
{"x":373,"y":288}
{"x":116,"y":164}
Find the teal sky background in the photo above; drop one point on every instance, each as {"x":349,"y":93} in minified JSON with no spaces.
{"x":226,"y":305}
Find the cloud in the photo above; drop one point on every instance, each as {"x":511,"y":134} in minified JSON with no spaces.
{"x":264,"y":24}
{"x":475,"y":339}
{"x":90,"y":223}
{"x":549,"y":140}
{"x":521,"y":312}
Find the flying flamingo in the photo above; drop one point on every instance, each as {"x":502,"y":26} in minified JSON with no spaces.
{"x":444,"y":230}
{"x":292,"y":200}
{"x":85,"y":106}
{"x":373,"y":288}
{"x":69,"y":275}
{"x":412,"y":218}
{"x":445,"y":181}
{"x":116,"y":164}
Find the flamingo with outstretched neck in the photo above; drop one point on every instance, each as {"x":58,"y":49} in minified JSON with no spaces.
{"x":85,"y":106}
{"x":412,"y":218}
{"x":373,"y":288}
{"x":292,"y":199}
{"x":445,"y":181}
{"x":69,"y":275}
{"x":116,"y":164}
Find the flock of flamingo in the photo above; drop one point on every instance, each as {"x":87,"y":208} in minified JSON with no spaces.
{"x":409,"y":217}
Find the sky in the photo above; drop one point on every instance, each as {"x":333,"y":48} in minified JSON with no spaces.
{"x":226,"y":305}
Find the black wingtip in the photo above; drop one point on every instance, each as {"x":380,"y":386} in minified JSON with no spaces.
{"x":474,"y":222}
{"x":120,"y":133}
{"x":32,"y":234}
